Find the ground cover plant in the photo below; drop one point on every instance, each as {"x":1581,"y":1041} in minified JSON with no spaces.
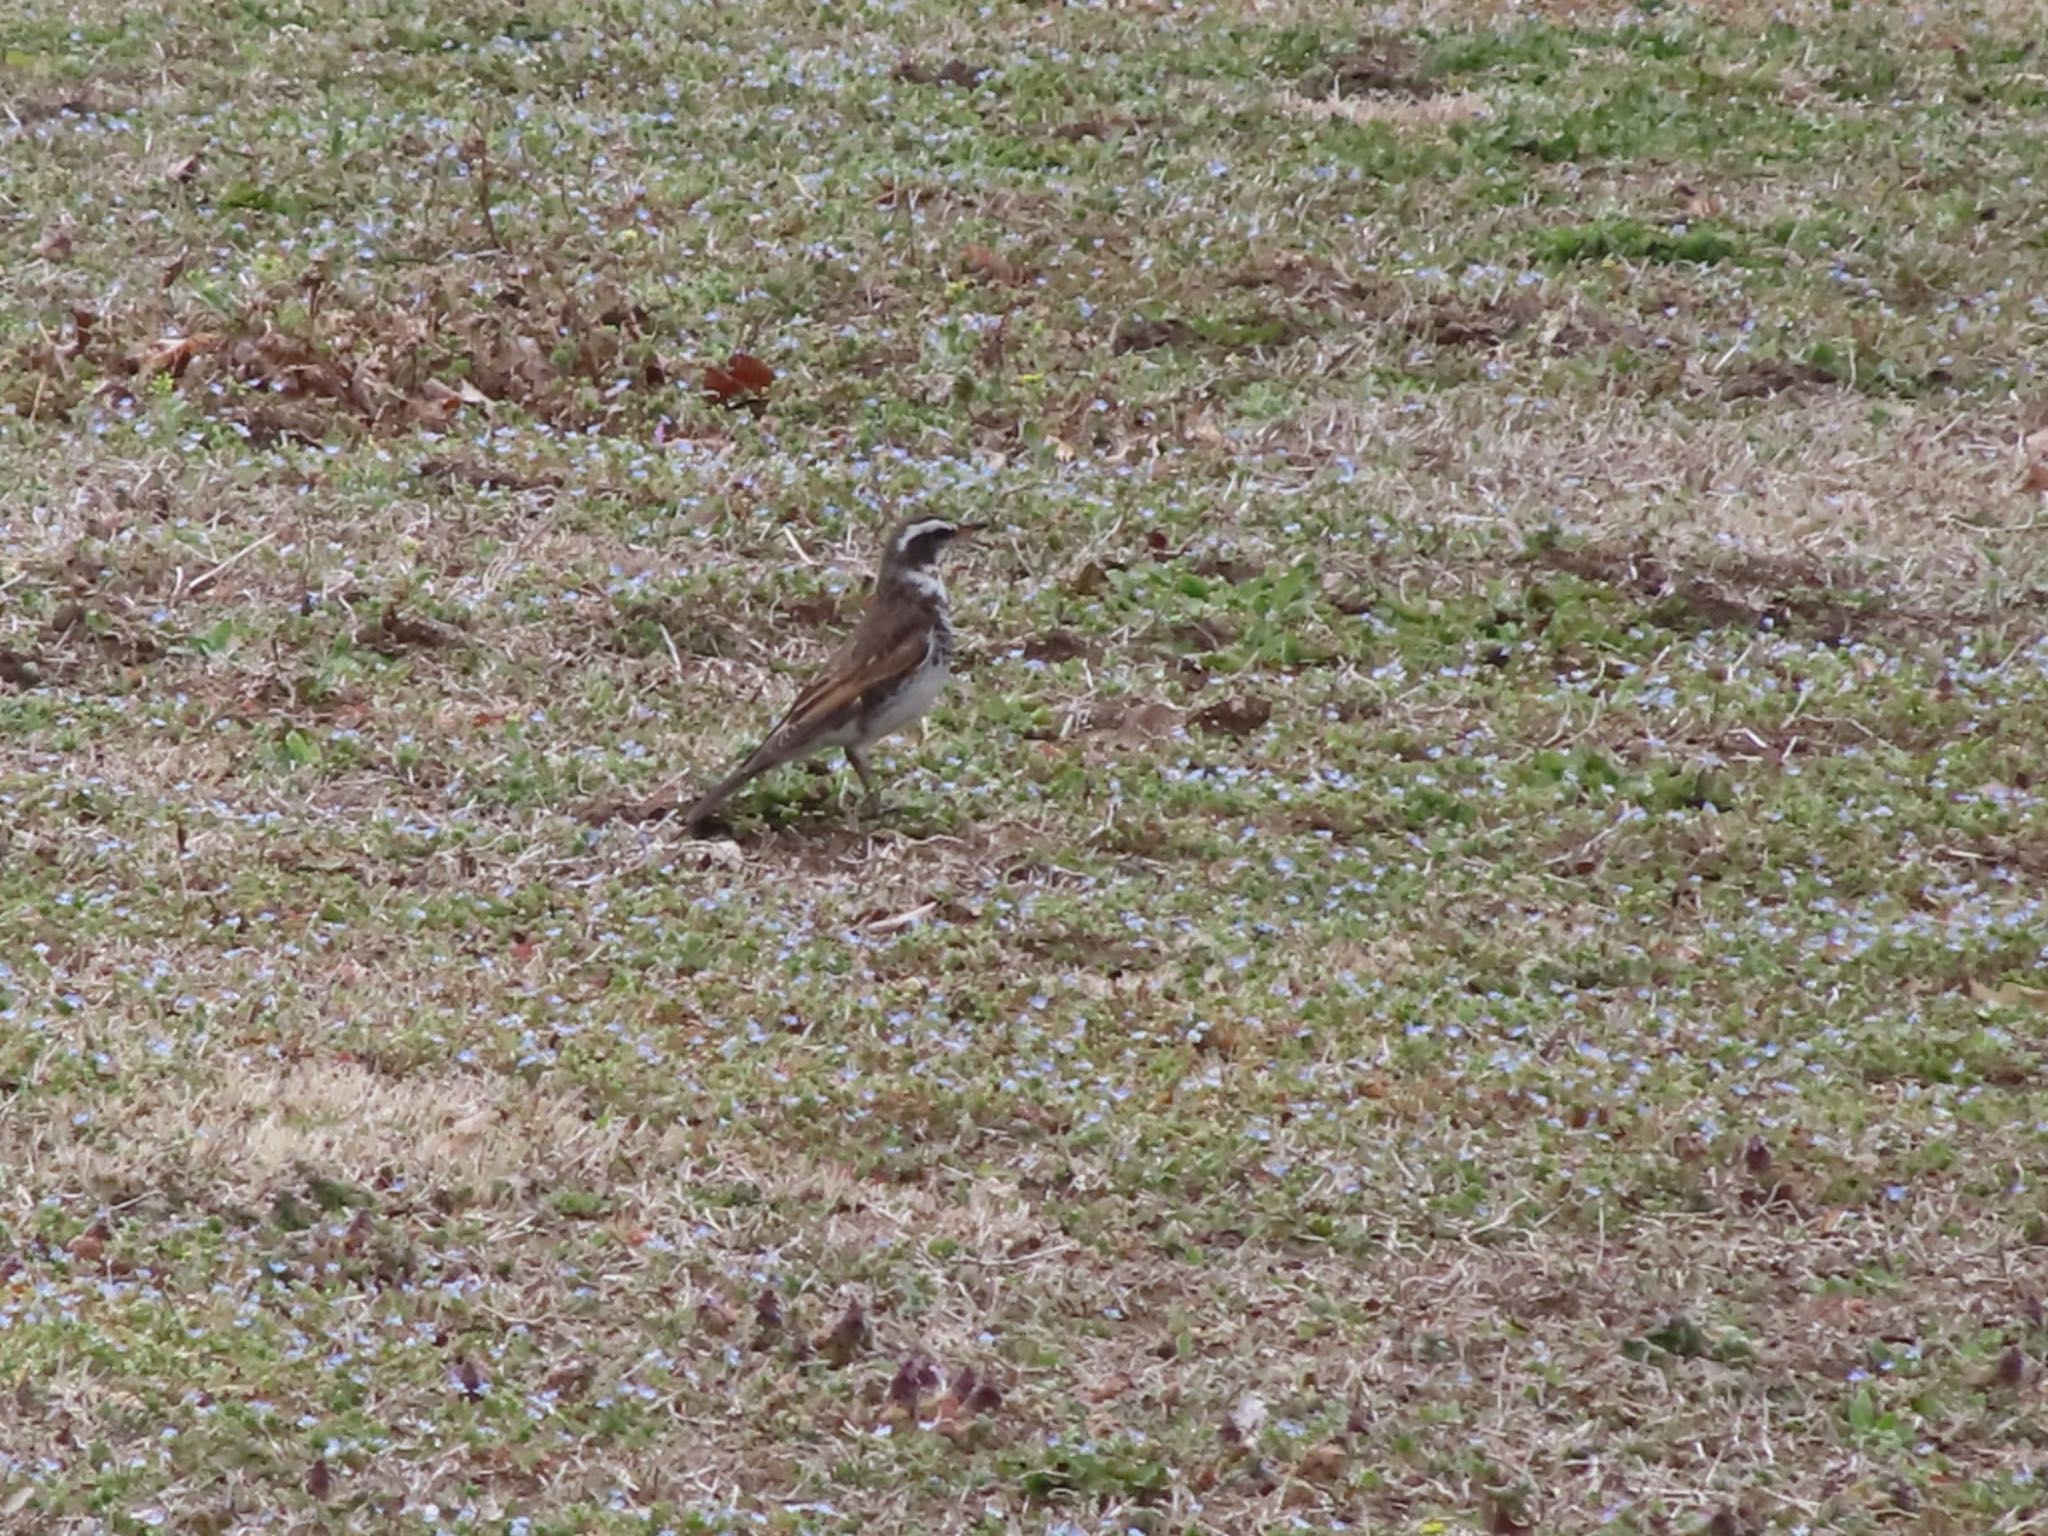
{"x":1467,"y":954}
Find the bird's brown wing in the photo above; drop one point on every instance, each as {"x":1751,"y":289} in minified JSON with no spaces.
{"x":889,"y":645}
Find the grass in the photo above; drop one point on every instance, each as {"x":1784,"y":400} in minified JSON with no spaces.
{"x":1466,"y":954}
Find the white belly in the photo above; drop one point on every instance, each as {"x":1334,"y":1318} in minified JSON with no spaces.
{"x":910,"y":705}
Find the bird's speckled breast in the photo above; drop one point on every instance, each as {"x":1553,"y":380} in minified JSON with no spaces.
{"x":921,"y":691}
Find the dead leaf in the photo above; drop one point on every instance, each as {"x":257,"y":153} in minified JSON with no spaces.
{"x":1057,"y":645}
{"x":1238,"y":717}
{"x":2035,"y":446}
{"x":569,"y":1379}
{"x":1136,"y":333}
{"x":742,"y":382}
{"x":990,"y":266}
{"x":18,"y":670}
{"x":1090,"y":581}
{"x":1107,"y":1390}
{"x":396,"y":632}
{"x":1205,"y":636}
{"x":2011,"y":994}
{"x":1507,"y":1514}
{"x":1325,"y":1463}
{"x":318,"y":1479}
{"x":749,"y":371}
{"x":470,"y":1376}
{"x":969,"y":1396}
{"x":169,"y":354}
{"x":56,"y":243}
{"x":952,"y":72}
{"x":182,"y":171}
{"x":715,"y":1315}
{"x":1147,"y":722}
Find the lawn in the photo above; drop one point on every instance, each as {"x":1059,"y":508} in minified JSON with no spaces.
{"x":1465,"y":955}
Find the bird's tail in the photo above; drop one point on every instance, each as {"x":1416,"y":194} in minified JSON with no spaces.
{"x":758,"y":762}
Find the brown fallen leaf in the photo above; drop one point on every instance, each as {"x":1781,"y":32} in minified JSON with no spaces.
{"x":319,"y":1481}
{"x":1089,"y":581}
{"x":91,"y":1244}
{"x":749,"y":371}
{"x":2011,"y":994}
{"x":18,"y":670}
{"x":395,"y":633}
{"x":1137,"y":333}
{"x":56,"y":243}
{"x":743,"y":381}
{"x":1238,"y":717}
{"x":1325,"y":1463}
{"x":1147,"y":722}
{"x":1107,"y":1390}
{"x":715,"y":1315}
{"x":2035,"y":447}
{"x":1057,"y":645}
{"x":169,"y":354}
{"x":569,"y":1379}
{"x":970,"y":1396}
{"x":979,"y":261}
{"x":182,"y":171}
{"x":952,"y":72}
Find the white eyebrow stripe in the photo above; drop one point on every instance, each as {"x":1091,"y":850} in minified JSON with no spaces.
{"x":916,"y":531}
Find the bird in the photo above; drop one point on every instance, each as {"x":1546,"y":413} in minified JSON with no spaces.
{"x":887,"y":675}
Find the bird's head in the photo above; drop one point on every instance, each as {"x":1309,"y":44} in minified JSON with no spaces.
{"x":917,"y":542}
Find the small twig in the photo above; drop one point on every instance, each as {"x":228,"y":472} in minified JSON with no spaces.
{"x":675,"y":658}
{"x":481,"y":165}
{"x":227,"y":565}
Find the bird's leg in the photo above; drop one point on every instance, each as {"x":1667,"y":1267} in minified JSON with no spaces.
{"x":871,"y":801}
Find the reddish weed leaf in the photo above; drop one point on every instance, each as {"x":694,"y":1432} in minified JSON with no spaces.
{"x":2011,"y":1370}
{"x":986,"y":1397}
{"x":849,"y":1336}
{"x":318,"y":1479}
{"x":913,"y":1378}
